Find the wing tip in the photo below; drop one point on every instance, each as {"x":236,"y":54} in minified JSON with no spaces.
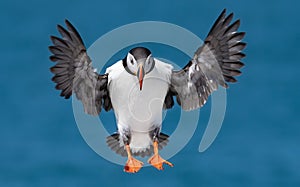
{"x":72,"y":29}
{"x":62,"y":94}
{"x":67,"y":22}
{"x":224,"y":11}
{"x":238,"y":21}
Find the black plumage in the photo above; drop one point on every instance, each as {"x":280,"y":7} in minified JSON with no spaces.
{"x":73,"y":71}
{"x":216,"y":62}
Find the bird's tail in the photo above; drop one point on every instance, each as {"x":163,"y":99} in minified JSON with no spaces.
{"x":116,"y":144}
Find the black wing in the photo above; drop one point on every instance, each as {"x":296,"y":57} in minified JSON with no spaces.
{"x":216,"y":62}
{"x":73,"y":71}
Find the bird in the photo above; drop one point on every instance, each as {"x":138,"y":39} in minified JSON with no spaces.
{"x":139,"y":87}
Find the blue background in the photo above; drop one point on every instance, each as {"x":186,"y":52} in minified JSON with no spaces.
{"x":259,"y":141}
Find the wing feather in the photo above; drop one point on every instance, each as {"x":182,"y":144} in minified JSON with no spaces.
{"x":73,"y":72}
{"x":216,"y":62}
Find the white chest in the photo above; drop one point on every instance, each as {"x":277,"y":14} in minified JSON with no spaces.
{"x":139,"y":110}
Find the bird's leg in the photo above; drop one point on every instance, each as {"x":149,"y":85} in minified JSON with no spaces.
{"x":156,"y":160}
{"x":132,"y":165}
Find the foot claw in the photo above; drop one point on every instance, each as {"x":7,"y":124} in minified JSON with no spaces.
{"x":157,"y":162}
{"x":133,"y":165}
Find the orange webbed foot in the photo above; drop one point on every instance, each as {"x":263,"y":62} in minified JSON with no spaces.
{"x":157,"y":162}
{"x":133,"y":165}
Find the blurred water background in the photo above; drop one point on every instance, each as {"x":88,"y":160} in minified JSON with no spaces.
{"x":259,"y":141}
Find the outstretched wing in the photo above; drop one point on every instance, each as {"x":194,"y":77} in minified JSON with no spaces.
{"x":216,"y":62}
{"x":73,"y":71}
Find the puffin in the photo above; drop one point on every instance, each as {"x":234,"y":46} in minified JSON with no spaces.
{"x":139,"y":87}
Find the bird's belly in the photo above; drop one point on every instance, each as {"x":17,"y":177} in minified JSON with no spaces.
{"x":138,"y":110}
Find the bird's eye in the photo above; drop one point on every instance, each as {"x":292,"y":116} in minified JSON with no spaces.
{"x":131,"y":61}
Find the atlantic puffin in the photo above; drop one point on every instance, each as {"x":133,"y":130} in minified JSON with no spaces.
{"x":139,"y":87}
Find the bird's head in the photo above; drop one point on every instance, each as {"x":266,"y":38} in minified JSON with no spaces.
{"x":139,"y":62}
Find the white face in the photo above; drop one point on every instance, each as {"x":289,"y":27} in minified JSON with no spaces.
{"x":133,"y":65}
{"x":148,"y":65}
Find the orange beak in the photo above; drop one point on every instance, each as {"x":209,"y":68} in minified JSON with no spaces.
{"x":140,"y":75}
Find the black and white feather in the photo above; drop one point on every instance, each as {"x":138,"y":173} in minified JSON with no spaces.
{"x":216,"y":62}
{"x":73,"y":71}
